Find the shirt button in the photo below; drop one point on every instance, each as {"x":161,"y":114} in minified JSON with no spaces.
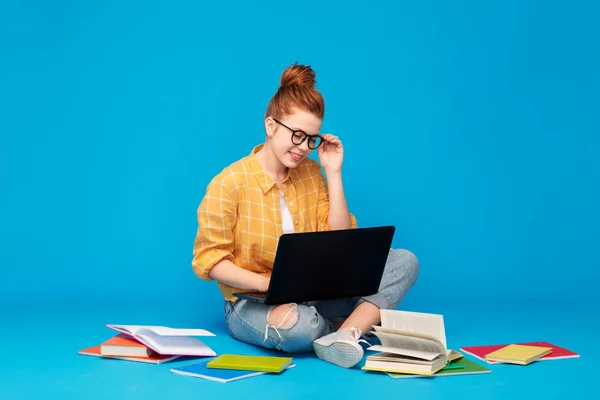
{"x":296,"y":222}
{"x":291,"y":203}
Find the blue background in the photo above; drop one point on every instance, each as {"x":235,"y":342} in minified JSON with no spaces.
{"x":472,"y":126}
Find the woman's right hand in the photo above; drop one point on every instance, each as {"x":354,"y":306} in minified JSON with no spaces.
{"x":230,"y":274}
{"x":264,"y":286}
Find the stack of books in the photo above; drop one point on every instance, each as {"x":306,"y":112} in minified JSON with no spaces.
{"x":415,"y":344}
{"x":519,"y":353}
{"x":151,"y":344}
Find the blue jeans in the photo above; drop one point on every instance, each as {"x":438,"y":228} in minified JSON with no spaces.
{"x":248,"y":321}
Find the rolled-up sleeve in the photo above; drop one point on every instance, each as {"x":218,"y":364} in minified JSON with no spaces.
{"x":323,"y":207}
{"x":216,"y":219}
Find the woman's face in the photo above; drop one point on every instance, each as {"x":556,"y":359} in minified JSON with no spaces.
{"x":288,"y":153}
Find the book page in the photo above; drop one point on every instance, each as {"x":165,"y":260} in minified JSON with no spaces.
{"x":174,"y":345}
{"x":411,"y":334}
{"x":453,"y":355}
{"x":390,"y":357}
{"x":163,"y":330}
{"x":160,"y":330}
{"x":410,"y":346}
{"x":418,"y":323}
{"x":404,"y":352}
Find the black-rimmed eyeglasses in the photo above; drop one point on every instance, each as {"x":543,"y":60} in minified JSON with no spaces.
{"x":299,"y":136}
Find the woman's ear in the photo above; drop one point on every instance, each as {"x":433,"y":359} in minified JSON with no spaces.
{"x":270,"y":127}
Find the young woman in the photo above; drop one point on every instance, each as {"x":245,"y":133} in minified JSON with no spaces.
{"x":276,"y":189}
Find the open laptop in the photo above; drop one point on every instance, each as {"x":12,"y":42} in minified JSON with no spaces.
{"x":326,"y":265}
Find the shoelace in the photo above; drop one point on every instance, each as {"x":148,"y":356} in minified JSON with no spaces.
{"x":357,"y":335}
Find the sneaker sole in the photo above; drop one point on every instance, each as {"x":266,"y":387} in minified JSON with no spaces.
{"x":341,"y":353}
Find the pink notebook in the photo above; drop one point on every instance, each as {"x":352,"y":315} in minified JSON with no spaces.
{"x":557,"y":353}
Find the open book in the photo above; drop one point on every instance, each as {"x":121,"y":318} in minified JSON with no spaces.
{"x":411,"y":343}
{"x":164,"y":340}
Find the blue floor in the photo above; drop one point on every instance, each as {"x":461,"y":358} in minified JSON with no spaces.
{"x":41,"y":340}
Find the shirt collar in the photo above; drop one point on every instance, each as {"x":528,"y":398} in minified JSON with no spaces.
{"x":264,"y":180}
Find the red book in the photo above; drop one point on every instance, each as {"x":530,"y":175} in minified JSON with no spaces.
{"x":94,"y":351}
{"x":124,"y":345}
{"x":557,"y":353}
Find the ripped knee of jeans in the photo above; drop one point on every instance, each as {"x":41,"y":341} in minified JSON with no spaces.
{"x":284,"y":316}
{"x":281,"y":317}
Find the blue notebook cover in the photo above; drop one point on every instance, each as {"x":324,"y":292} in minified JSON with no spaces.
{"x":200,"y":370}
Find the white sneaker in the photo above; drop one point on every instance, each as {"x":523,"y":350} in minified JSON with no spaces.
{"x":340,"y":348}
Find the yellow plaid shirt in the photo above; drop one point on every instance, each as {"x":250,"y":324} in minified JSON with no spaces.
{"x":239,"y":218}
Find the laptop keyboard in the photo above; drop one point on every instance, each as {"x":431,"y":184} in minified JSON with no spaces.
{"x":258,"y":295}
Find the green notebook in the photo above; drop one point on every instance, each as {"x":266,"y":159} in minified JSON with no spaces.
{"x":250,"y":363}
{"x":468,"y":367}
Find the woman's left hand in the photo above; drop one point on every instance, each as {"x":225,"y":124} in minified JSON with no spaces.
{"x":331,"y":153}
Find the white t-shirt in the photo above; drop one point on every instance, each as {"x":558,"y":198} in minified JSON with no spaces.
{"x":286,"y":216}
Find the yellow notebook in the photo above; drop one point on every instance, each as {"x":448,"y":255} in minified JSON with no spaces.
{"x":518,"y":354}
{"x":250,"y":363}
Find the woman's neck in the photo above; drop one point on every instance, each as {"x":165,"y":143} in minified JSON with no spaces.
{"x":272,"y":166}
